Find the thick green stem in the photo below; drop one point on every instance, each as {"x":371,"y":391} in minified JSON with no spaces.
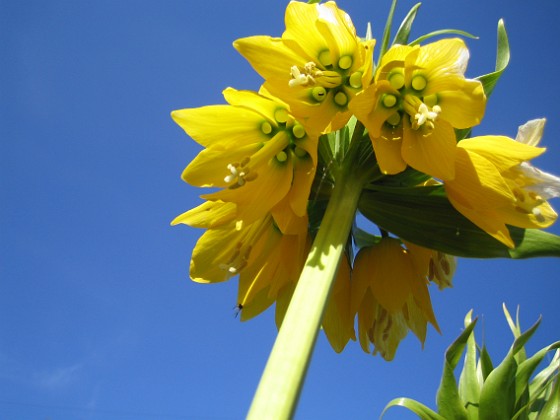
{"x":282,"y":379}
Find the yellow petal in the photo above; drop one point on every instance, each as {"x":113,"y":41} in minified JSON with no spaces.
{"x":302,"y":32}
{"x":270,"y":57}
{"x":463,"y":107}
{"x":220,"y":125}
{"x":478,"y":185}
{"x":388,"y":155}
{"x":502,"y":151}
{"x":209,"y":214}
{"x":431,"y":151}
{"x":443,"y":57}
{"x":338,"y":322}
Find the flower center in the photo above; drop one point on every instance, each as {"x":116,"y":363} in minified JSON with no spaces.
{"x":423,"y":110}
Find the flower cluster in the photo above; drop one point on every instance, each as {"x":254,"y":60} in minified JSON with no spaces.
{"x":262,"y":150}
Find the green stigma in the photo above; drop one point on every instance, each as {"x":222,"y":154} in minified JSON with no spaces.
{"x":282,"y":156}
{"x":299,"y":131}
{"x":394,"y":119}
{"x":355,"y":80}
{"x":341,"y":99}
{"x":431,"y":100}
{"x":325,"y":58}
{"x":396,"y":80}
{"x":281,"y":115}
{"x":299,"y":152}
{"x":389,"y":100}
{"x":419,"y":83}
{"x":319,"y":93}
{"x":266,"y":128}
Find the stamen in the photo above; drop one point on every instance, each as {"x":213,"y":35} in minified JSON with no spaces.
{"x":305,"y":77}
{"x":355,"y":80}
{"x":425,"y":116}
{"x":240,"y":172}
{"x":345,"y":62}
{"x":341,"y":99}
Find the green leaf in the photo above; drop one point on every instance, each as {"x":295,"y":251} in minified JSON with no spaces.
{"x":469,"y":385}
{"x":442,"y":32}
{"x":524,"y":372}
{"x":502,"y":60}
{"x":485,"y":362}
{"x":362,"y":238}
{"x":387,"y":31}
{"x":551,"y":409}
{"x":448,"y":400}
{"x":423,"y":215}
{"x":497,"y":397}
{"x":417,"y":408}
{"x":404,"y":30}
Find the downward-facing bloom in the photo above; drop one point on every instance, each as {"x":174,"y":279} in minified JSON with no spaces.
{"x":390,"y":295}
{"x":419,"y":96}
{"x":495,"y":185}
{"x":261,"y":157}
{"x":317,"y":66}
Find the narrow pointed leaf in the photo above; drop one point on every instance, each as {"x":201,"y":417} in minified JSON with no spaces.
{"x":469,"y":386}
{"x":442,"y":32}
{"x":502,"y":60}
{"x":417,"y":408}
{"x":448,"y":400}
{"x":404,"y":30}
{"x":485,"y":361}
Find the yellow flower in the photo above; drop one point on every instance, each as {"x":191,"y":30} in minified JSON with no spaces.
{"x":256,"y":152}
{"x":494,"y":186}
{"x":419,"y":96}
{"x":390,"y":295}
{"x":317,"y":66}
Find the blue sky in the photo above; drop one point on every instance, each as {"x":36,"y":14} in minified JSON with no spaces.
{"x":98,"y":319}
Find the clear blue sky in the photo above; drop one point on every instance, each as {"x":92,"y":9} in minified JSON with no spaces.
{"x":98,"y":319}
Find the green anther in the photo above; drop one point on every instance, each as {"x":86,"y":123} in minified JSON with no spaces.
{"x":389,"y":100}
{"x":341,"y":99}
{"x":397,"y":80}
{"x":281,"y":156}
{"x":419,"y":83}
{"x":299,"y":152}
{"x":325,"y":58}
{"x":319,"y":93}
{"x":431,"y":100}
{"x":281,"y":115}
{"x":266,"y":128}
{"x":299,"y":131}
{"x":394,"y":119}
{"x":355,"y":80}
{"x":345,"y":62}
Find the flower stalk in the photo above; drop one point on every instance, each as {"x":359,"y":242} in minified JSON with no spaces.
{"x":282,"y":380}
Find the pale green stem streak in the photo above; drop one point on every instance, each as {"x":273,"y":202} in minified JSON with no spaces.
{"x":282,"y":379}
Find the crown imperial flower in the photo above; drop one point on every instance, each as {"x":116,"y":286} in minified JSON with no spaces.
{"x":419,"y":96}
{"x":317,"y":66}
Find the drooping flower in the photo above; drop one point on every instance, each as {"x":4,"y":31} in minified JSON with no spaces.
{"x":261,"y":157}
{"x":419,"y":96}
{"x":317,"y":66}
{"x":495,"y":186}
{"x":390,"y":295}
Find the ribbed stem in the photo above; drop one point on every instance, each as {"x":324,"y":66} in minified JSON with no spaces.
{"x":282,"y":379}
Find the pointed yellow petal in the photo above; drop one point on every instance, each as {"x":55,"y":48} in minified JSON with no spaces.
{"x":502,"y":151}
{"x":431,"y":151}
{"x":443,"y":57}
{"x":209,"y":214}
{"x":462,"y":107}
{"x":388,"y":155}
{"x":220,"y":124}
